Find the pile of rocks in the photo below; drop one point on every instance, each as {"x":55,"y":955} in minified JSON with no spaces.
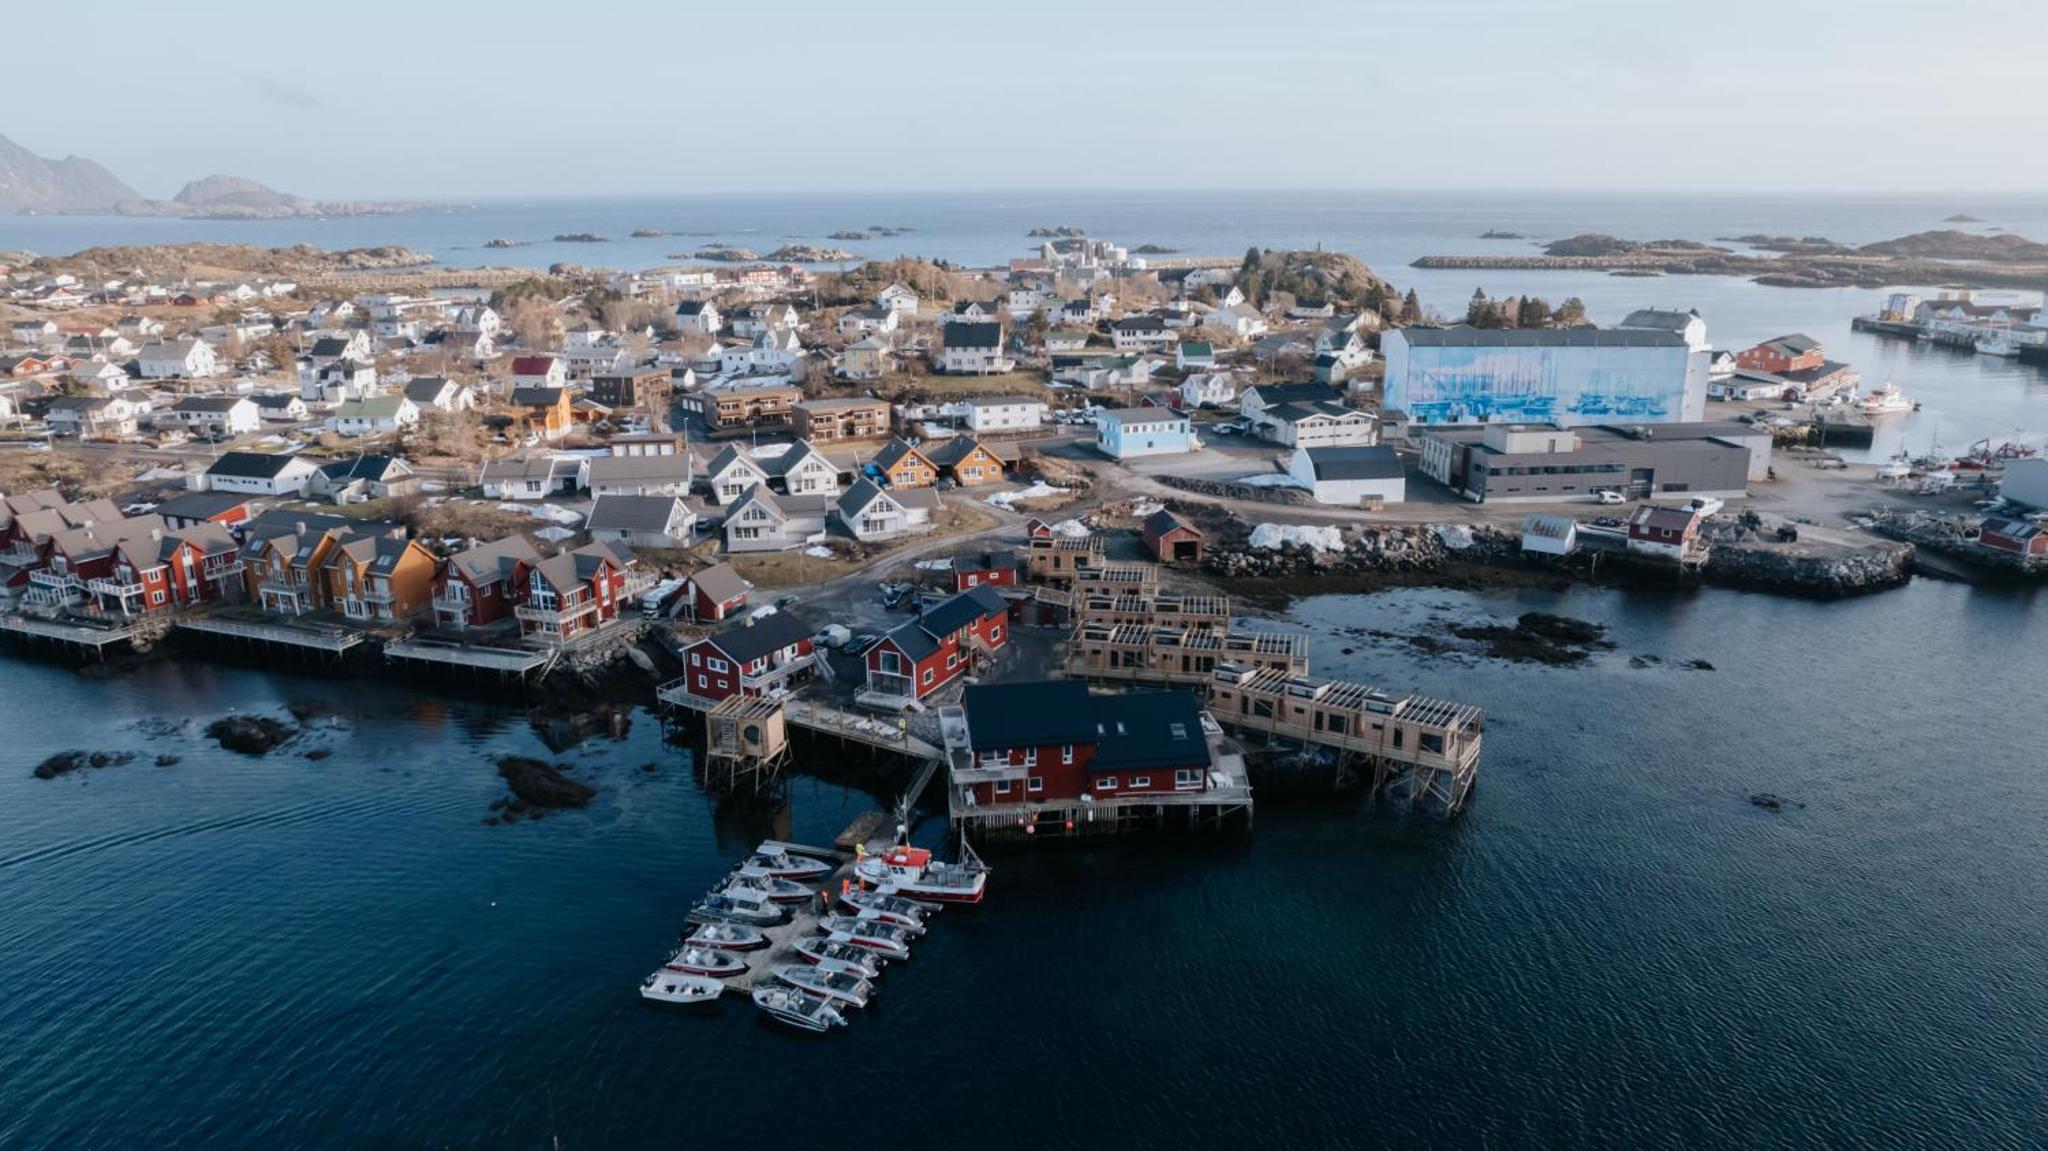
{"x":1391,"y":548}
{"x":1225,"y":490}
{"x":1827,"y":576}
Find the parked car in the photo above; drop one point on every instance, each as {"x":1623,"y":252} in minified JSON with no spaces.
{"x":1705,"y":505}
{"x":1607,"y":495}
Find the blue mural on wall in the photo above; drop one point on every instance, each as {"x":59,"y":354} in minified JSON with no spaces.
{"x":1524,"y":385}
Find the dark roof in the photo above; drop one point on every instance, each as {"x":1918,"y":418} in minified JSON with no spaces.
{"x":199,"y":505}
{"x":1148,"y":729}
{"x":1002,"y":559}
{"x":1163,"y":521}
{"x":207,"y":403}
{"x":1796,"y":344}
{"x":1463,"y":336}
{"x":746,"y":642}
{"x":974,"y":334}
{"x":425,"y":389}
{"x":960,"y":610}
{"x":894,"y":451}
{"x":329,"y":346}
{"x":1139,"y":324}
{"x":1054,"y":711}
{"x":278,"y":400}
{"x":537,"y":397}
{"x":249,"y":465}
{"x":1273,"y":395}
{"x":1355,"y":462}
{"x":370,"y":467}
{"x":950,"y":451}
{"x":632,"y":513}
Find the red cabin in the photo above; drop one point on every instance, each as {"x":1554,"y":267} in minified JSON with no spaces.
{"x":1172,"y":538}
{"x":925,"y":654}
{"x":1055,"y":742}
{"x":716,"y":593}
{"x":758,"y":657}
{"x":986,"y":569}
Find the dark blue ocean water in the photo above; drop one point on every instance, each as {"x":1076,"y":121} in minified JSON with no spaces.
{"x":1967,"y":397}
{"x":1612,"y":947}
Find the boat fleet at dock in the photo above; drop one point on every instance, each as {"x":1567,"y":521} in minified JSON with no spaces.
{"x":757,"y":931}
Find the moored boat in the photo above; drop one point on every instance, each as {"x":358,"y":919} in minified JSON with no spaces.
{"x":726,"y":937}
{"x":783,"y":865}
{"x":667,"y":986}
{"x":797,"y":1009}
{"x":818,"y":950}
{"x":705,"y":961}
{"x":765,"y":886}
{"x":888,"y":908}
{"x":838,"y":986}
{"x":1887,"y":400}
{"x":888,"y":939}
{"x":1997,"y":346}
{"x":913,"y":873}
{"x":744,"y":908}
{"x":910,"y":929}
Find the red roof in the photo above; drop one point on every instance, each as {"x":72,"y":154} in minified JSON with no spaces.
{"x":532,"y":365}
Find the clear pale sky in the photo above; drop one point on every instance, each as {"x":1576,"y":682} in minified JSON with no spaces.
{"x":631,"y":97}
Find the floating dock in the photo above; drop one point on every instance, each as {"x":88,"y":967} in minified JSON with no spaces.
{"x":324,"y":639}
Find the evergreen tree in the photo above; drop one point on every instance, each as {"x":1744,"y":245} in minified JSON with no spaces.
{"x":1478,"y":310}
{"x":1534,"y":312}
{"x":1411,"y":306}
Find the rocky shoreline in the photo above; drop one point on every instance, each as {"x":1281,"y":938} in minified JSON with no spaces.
{"x":1471,"y":558}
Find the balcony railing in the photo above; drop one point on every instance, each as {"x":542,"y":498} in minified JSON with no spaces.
{"x":458,"y":608}
{"x":555,"y":616}
{"x":50,"y":578}
{"x":21,"y":554}
{"x":115,"y":587}
{"x":776,"y":674}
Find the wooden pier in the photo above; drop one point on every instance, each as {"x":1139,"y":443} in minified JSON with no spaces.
{"x":735,"y":715}
{"x":509,"y":661}
{"x":328,"y":640}
{"x":79,"y":637}
{"x":1420,"y":751}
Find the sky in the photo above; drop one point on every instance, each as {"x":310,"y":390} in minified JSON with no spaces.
{"x":660,"y":97}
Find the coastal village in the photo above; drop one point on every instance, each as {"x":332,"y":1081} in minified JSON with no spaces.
{"x":1010,"y":532}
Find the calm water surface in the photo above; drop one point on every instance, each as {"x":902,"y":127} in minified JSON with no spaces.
{"x":1613,"y":947}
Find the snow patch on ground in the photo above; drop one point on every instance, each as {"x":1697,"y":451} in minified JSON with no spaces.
{"x":1072,"y":529}
{"x":819,"y":550}
{"x":1457,"y":537}
{"x":769,"y":451}
{"x":1271,"y":537}
{"x":1269,"y":480}
{"x":553,"y":513}
{"x":1038,"y":491}
{"x":1143,"y":508}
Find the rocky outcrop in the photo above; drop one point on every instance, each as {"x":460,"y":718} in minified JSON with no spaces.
{"x":250,"y":734}
{"x":66,"y":762}
{"x":30,"y":183}
{"x":1224,"y":490}
{"x":809,"y":254}
{"x":1762,"y":567}
{"x":542,"y":786}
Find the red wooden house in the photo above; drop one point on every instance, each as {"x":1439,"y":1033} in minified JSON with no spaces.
{"x":760,"y":656}
{"x":191,"y":509}
{"x":1172,"y":538}
{"x":1792,"y":353}
{"x":2025,"y":538}
{"x":483,"y":584}
{"x":985,"y":569}
{"x":572,"y":594}
{"x":921,"y":656}
{"x":1053,"y":742}
{"x":716,"y":593}
{"x":1037,"y":529}
{"x":189,"y":566}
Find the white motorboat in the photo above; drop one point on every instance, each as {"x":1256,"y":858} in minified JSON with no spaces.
{"x":705,"y":961}
{"x":894,"y":907}
{"x":1887,"y":400}
{"x":837,"y":986}
{"x":667,"y":986}
{"x":766,"y":887}
{"x":913,"y":873}
{"x":797,"y":1009}
{"x":910,"y":930}
{"x":888,"y":939}
{"x":1997,"y":346}
{"x":726,"y":937}
{"x":782,"y":865}
{"x":743,"y":907}
{"x":839,"y":956}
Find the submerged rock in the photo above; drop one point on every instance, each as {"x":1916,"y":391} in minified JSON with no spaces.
{"x":1771,"y":802}
{"x":541,"y":786}
{"x":249,"y":734}
{"x":1562,"y":628}
{"x":66,"y":762}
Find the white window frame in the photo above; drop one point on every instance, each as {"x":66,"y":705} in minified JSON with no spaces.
{"x":1030,"y":757}
{"x":1067,"y":754}
{"x":1106,"y":783}
{"x":1187,"y":779}
{"x":1141,"y":781}
{"x":1034,"y":783}
{"x":1002,"y":787}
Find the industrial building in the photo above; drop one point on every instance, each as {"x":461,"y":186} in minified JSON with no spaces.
{"x":1544,"y":462}
{"x":1562,"y":376}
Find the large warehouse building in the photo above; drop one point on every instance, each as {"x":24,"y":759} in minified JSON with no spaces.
{"x":1543,"y":462}
{"x":1563,"y":376}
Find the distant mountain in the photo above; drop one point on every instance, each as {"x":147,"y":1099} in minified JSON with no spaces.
{"x":77,"y":186}
{"x":73,"y":184}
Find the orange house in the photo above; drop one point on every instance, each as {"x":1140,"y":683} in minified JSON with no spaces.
{"x":380,"y":578}
{"x":1794,"y":353}
{"x":968,"y":461}
{"x":546,"y":412}
{"x":905,"y":466}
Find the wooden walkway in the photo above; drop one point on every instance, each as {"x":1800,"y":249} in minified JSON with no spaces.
{"x":318,"y":637}
{"x":79,"y":635}
{"x":511,"y":660}
{"x":820,"y":719}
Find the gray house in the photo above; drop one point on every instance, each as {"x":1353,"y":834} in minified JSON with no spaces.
{"x":642,"y":521}
{"x":763,"y":522}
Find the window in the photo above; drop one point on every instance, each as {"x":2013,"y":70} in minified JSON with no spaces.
{"x":1187,"y":779}
{"x":928,"y":673}
{"x":1035,"y":784}
{"x":1106,"y":783}
{"x":1067,"y":753}
{"x":995,"y":634}
{"x":1141,"y":781}
{"x":717,"y":665}
{"x":700,"y":679}
{"x":1002,"y":787}
{"x":952,"y":660}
